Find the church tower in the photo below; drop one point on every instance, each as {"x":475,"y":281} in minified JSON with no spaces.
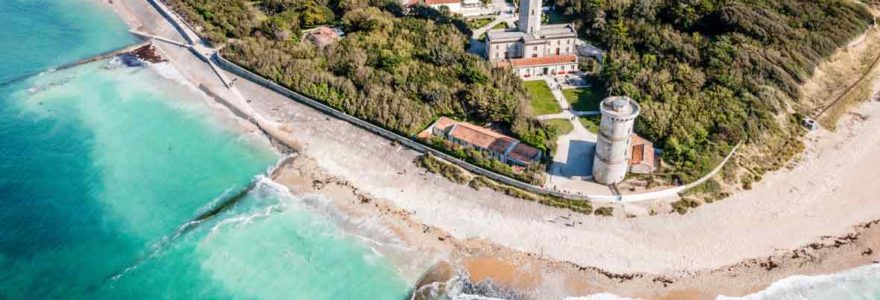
{"x":530,"y":16}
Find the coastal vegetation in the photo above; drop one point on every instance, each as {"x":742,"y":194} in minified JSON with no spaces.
{"x":532,"y":174}
{"x":450,"y":171}
{"x":400,"y":70}
{"x":708,"y":74}
{"x":457,"y":174}
{"x":606,"y":211}
{"x":711,"y":73}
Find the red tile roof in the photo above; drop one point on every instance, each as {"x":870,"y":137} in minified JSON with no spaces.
{"x":443,"y":123}
{"x":524,"y":153}
{"x":322,"y":36}
{"x":539,"y":61}
{"x":482,"y":137}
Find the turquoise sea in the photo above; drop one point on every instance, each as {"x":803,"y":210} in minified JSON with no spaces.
{"x":105,"y":171}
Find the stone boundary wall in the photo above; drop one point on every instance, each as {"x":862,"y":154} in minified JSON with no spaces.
{"x":244,"y":73}
{"x":172,"y":17}
{"x":179,"y":24}
{"x":667,"y":193}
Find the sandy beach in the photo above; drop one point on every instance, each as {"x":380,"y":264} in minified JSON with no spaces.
{"x":817,"y":216}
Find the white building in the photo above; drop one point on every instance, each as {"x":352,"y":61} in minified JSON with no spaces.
{"x":455,"y":6}
{"x":534,"y":49}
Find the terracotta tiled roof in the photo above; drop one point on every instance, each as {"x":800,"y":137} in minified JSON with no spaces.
{"x":444,"y":123}
{"x":323,"y":36}
{"x":482,"y":137}
{"x":539,"y":61}
{"x":436,"y":2}
{"x":524,"y":153}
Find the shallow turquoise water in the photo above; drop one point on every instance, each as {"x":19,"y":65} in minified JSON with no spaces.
{"x":102,"y":170}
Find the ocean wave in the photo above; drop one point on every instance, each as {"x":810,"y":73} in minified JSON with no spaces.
{"x":859,"y":283}
{"x":262,"y":182}
{"x":169,"y":72}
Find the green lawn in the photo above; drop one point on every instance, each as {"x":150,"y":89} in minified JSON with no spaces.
{"x":561,"y":126}
{"x":591,"y":122}
{"x":541,"y":99}
{"x":584,"y":99}
{"x":502,"y":25}
{"x":478,"y":23}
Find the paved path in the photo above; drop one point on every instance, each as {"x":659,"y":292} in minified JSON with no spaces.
{"x":572,"y":167}
{"x":565,"y":114}
{"x":159,"y":38}
{"x":480,"y":31}
{"x":503,"y":6}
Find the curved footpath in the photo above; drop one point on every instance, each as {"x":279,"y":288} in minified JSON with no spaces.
{"x":831,"y":189}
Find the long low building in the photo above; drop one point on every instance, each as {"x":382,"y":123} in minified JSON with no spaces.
{"x":496,"y":145}
{"x":536,"y":66}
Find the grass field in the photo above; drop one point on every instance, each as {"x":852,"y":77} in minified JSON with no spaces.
{"x":591,"y":122}
{"x":561,"y":126}
{"x":541,"y":99}
{"x":478,"y":23}
{"x":501,"y":25}
{"x":584,"y":99}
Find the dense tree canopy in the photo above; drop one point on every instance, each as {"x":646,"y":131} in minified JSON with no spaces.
{"x":400,"y":71}
{"x":709,"y":73}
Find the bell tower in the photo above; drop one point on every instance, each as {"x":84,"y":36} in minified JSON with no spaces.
{"x":530,"y":16}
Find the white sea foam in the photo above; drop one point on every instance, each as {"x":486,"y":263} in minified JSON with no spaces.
{"x":858,"y":283}
{"x":167,"y":71}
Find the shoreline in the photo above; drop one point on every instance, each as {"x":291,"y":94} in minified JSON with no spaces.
{"x":419,"y":224}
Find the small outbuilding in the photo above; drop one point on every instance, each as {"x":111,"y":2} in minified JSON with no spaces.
{"x":322,"y":36}
{"x":642,"y":159}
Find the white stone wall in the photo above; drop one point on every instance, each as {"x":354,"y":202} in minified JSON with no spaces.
{"x":533,"y":50}
{"x":496,"y":51}
{"x":563,"y":46}
{"x":537,"y":71}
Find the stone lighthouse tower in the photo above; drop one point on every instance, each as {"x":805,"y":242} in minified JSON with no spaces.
{"x":613,"y":146}
{"x":530,"y":16}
